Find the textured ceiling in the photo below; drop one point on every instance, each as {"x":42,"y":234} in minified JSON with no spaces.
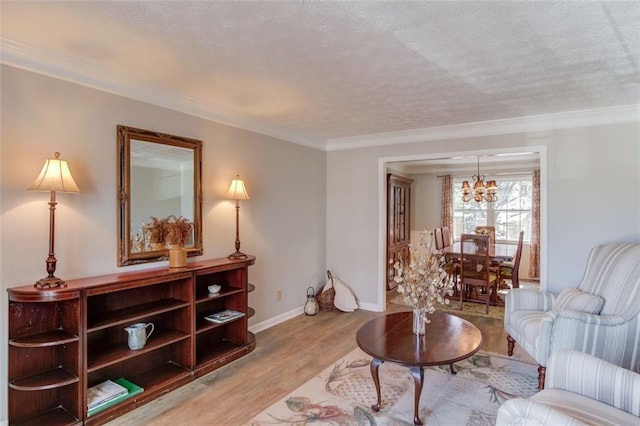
{"x":310,"y":71}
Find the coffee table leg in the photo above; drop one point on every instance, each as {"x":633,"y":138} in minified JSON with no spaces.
{"x":418,"y":377}
{"x":453,"y":371}
{"x":375,"y":364}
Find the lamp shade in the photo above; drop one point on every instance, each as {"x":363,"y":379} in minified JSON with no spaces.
{"x":237,"y":191}
{"x":55,"y":176}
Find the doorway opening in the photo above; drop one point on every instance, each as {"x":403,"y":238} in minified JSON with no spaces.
{"x":426,"y":215}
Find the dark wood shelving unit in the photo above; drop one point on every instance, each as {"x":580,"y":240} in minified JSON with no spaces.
{"x":214,"y":357}
{"x":57,"y":416}
{"x":224,"y":292}
{"x":203,"y":325}
{"x":398,"y":223}
{"x":50,"y":379}
{"x":45,"y":351}
{"x":63,"y":341}
{"x":134,"y":313}
{"x":250,"y":311}
{"x":48,"y":338}
{"x":107,"y":356}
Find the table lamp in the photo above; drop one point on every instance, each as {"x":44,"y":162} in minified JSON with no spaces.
{"x":237,"y":192}
{"x":54,"y":177}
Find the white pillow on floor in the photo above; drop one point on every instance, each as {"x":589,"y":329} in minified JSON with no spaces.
{"x":344,"y":300}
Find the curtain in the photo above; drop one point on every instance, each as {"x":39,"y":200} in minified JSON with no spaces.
{"x":534,"y":256}
{"x":446,"y":212}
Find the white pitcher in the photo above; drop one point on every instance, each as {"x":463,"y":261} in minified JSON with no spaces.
{"x":138,"y":334}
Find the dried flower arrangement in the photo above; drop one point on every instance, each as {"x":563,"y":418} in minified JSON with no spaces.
{"x":177,"y":230}
{"x":156,"y":230}
{"x":481,"y":230}
{"x":173,"y":231}
{"x":422,"y":279}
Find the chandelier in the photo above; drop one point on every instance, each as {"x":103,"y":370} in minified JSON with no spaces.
{"x":480,"y":191}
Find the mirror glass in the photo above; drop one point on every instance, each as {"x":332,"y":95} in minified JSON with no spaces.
{"x":159,"y":178}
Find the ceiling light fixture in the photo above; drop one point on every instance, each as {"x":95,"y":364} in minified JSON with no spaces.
{"x":480,"y":192}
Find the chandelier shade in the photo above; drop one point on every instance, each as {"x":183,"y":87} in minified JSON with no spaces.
{"x":480,"y":192}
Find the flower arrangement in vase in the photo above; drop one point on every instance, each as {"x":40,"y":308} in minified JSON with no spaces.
{"x":422,"y":280}
{"x":156,"y":233}
{"x":173,"y":233}
{"x":177,"y":232}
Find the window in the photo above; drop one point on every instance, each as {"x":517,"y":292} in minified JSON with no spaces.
{"x":510,"y":214}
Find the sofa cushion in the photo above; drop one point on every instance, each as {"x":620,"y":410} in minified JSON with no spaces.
{"x":526,"y":324}
{"x":572,"y":299}
{"x":585,"y":409}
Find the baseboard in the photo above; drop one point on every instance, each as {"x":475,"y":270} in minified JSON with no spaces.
{"x":371,"y":307}
{"x":256,"y":328}
{"x":275,"y":320}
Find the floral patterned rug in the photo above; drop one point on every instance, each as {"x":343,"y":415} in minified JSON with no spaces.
{"x":343,"y":394}
{"x":453,"y":307}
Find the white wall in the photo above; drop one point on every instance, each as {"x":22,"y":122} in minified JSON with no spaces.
{"x":593,"y":197}
{"x":425,"y":201}
{"x":283,"y":224}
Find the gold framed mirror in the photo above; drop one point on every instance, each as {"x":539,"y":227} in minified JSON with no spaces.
{"x":159,"y":177}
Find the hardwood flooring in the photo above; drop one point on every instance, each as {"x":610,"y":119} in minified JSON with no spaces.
{"x":286,"y":356}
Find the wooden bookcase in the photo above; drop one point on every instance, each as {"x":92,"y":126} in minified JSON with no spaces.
{"x":63,"y":341}
{"x":398,"y":223}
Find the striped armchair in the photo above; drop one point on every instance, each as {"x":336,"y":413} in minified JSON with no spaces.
{"x":601,"y":317}
{"x":580,"y":390}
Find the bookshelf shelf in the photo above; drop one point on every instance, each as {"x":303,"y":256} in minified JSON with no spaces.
{"x":62,"y":344}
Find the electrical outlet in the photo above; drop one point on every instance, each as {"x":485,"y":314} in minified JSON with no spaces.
{"x":279,"y":295}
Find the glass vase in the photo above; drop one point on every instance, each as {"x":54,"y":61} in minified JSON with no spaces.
{"x":419,"y":320}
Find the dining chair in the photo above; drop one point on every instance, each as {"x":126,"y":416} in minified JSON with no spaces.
{"x":446,"y":236}
{"x":489,"y":230}
{"x":437,"y":234}
{"x":478,"y":278}
{"x":452,"y":266}
{"x":510,"y":270}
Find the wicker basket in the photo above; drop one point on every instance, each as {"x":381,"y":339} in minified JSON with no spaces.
{"x":325,"y":298}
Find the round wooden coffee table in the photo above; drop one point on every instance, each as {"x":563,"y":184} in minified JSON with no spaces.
{"x":390,"y":338}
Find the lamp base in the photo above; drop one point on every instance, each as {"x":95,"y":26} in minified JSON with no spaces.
{"x":237,"y":255}
{"x":50,"y":282}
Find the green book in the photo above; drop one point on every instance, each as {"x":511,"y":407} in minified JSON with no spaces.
{"x":132,"y":390}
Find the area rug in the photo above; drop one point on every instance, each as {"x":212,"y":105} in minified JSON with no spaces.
{"x":468,"y":308}
{"x":343,"y":394}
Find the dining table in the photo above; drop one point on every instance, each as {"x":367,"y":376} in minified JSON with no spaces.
{"x":498,"y":252}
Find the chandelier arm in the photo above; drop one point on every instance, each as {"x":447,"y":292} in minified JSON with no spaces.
{"x":480,"y":190}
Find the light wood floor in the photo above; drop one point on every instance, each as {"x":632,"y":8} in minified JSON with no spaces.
{"x":286,"y":356}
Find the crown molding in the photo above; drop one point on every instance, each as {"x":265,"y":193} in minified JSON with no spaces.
{"x":528,"y":124}
{"x":67,"y":68}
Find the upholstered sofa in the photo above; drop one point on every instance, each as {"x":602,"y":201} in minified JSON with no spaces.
{"x":580,"y":389}
{"x":600,"y":317}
